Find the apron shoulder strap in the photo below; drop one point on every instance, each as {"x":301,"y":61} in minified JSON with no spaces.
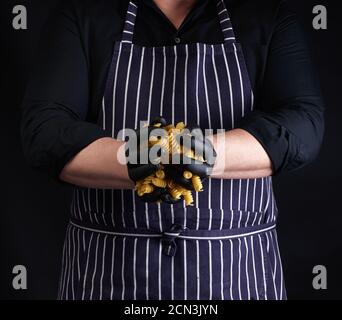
{"x":225,"y":22}
{"x":127,"y":34}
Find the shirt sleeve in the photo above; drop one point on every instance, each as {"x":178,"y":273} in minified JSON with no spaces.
{"x":53,"y":126}
{"x":288,"y":119}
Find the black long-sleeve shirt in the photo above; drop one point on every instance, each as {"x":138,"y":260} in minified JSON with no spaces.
{"x":65,"y":90}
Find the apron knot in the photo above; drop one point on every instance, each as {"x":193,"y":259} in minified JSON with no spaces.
{"x":169,"y":237}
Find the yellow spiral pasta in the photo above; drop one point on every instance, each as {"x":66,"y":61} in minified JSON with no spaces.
{"x":153,"y":141}
{"x":197,"y":183}
{"x":164,"y":143}
{"x":148,"y":180}
{"x":159,"y":180}
{"x":175,"y":147}
{"x":160,"y":174}
{"x":187,"y":174}
{"x":160,"y":183}
{"x":145,"y":188}
{"x":188,"y":198}
{"x":176,"y":192}
{"x":180,"y":126}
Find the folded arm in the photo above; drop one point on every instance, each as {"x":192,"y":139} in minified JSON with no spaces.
{"x":285,"y":130}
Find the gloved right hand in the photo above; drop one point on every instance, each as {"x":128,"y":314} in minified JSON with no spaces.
{"x":197,"y":143}
{"x":141,"y":163}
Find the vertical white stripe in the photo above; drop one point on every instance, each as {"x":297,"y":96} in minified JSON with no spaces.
{"x":206,"y":87}
{"x":84,"y":245}
{"x":239,"y":270}
{"x":239,"y":196}
{"x":261,"y":195}
{"x":135,"y":269}
{"x":159,"y":269}
{"x":114,"y":91}
{"x":151,"y":86}
{"x":198,"y":122}
{"x":185,"y":110}
{"x":254,"y":191}
{"x":210,"y":272}
{"x":221,"y":125}
{"x":123,"y":208}
{"x":95,"y":267}
{"x":254,"y":269}
{"x":231,"y":268}
{"x":268,"y":200}
{"x":89,"y":207}
{"x":78,"y":205}
{"x":230,"y":86}
{"x":68,"y":265}
{"x":139,"y":87}
{"x":241,"y":83}
{"x":252,"y":100}
{"x":78,"y":255}
{"x":198,"y":269}
{"x":73,"y":264}
{"x":185,"y":272}
{"x":174,"y":85}
{"x":104,"y":206}
{"x":112,"y":271}
{"x":186,"y":85}
{"x":86,"y":268}
{"x":263,"y":266}
{"x":103,"y":114}
{"x":147,"y":271}
{"x":210,"y":127}
{"x":60,"y":287}
{"x":231,"y":195}
{"x":123,"y":269}
{"x":247,"y":273}
{"x":240,"y":218}
{"x":247,"y":219}
{"x":124,"y":123}
{"x":275,"y":269}
{"x":231,"y":220}
{"x":103,"y":264}
{"x":197,"y":83}
{"x":147,"y":216}
{"x":173,"y":114}
{"x":136,"y":117}
{"x":172,"y":278}
{"x":222,"y":269}
{"x":247,"y":190}
{"x":163,"y":84}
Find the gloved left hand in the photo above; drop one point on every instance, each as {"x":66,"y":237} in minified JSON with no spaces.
{"x":199,"y":145}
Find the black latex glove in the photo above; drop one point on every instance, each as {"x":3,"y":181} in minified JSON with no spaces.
{"x":139,"y":163}
{"x":202,"y":146}
{"x":139,"y":171}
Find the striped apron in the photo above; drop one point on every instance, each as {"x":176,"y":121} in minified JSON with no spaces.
{"x":225,"y":246}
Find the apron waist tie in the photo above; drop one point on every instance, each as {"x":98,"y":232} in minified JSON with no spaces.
{"x":177,"y":231}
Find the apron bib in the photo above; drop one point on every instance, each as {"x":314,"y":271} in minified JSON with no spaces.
{"x":225,"y":246}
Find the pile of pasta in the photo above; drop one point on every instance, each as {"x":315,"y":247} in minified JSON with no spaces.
{"x":159,"y":179}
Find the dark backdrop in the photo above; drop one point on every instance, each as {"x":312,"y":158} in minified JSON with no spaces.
{"x":34,"y":209}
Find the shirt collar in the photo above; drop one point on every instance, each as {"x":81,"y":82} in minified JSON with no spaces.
{"x":197,"y":11}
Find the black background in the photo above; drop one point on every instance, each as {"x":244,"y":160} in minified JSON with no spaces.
{"x":34,"y":209}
